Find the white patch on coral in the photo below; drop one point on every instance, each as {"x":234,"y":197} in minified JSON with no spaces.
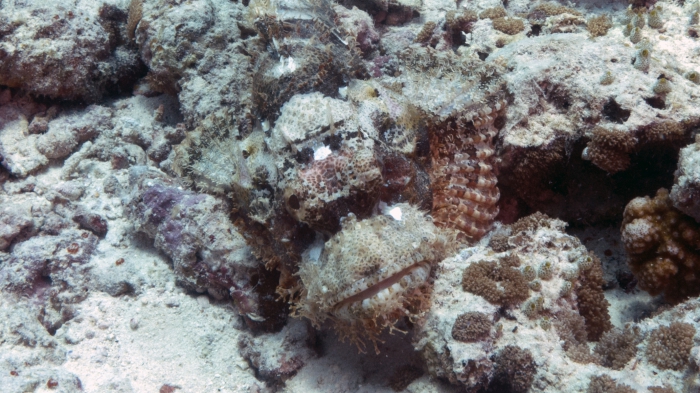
{"x":396,"y":213}
{"x":321,"y":153}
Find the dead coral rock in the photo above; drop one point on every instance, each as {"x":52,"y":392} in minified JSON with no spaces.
{"x":555,"y":318}
{"x":195,"y":231}
{"x":195,"y":60}
{"x":91,"y":221}
{"x":359,"y":25}
{"x":278,"y":357}
{"x":319,"y":65}
{"x":685,"y":193}
{"x":15,"y":219}
{"x":669,"y":346}
{"x":69,"y":54}
{"x":662,"y":243}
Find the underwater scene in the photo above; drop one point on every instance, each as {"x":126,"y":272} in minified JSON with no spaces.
{"x":350,"y":196}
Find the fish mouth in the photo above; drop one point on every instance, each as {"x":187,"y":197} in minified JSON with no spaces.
{"x":368,"y":295}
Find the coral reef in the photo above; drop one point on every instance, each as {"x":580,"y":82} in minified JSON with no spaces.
{"x":178,"y":178}
{"x":592,"y":304}
{"x":661,"y":243}
{"x":578,"y":314}
{"x":599,"y":25}
{"x":609,"y":150}
{"x":503,"y":285}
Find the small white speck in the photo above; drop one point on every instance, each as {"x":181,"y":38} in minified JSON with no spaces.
{"x":585,"y":154}
{"x":396,"y":213}
{"x":315,"y":252}
{"x":321,"y":153}
{"x":291,"y":65}
{"x":343,"y":91}
{"x":265,"y":125}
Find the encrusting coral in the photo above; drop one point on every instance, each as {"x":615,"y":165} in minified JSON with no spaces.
{"x":610,"y":149}
{"x":471,"y":327}
{"x":496,"y":283}
{"x":669,"y":347}
{"x":662,"y":245}
{"x":605,"y":384}
{"x":592,"y":304}
{"x":515,"y":370}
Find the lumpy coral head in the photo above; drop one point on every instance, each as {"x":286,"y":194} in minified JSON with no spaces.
{"x":372,"y":273}
{"x":662,"y":244}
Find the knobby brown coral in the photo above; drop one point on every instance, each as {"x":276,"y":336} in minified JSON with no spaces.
{"x":662,"y":245}
{"x":592,"y":304}
{"x":605,"y":384}
{"x":496,"y":283}
{"x":610,"y":149}
{"x":515,"y":370}
{"x":463,"y":179}
{"x":471,"y":327}
{"x":617,"y":347}
{"x":669,"y":347}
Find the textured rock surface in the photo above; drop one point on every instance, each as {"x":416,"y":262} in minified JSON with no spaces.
{"x":685,"y":193}
{"x":76,"y":51}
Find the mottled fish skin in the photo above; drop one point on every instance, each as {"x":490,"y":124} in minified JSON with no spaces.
{"x":465,"y":192}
